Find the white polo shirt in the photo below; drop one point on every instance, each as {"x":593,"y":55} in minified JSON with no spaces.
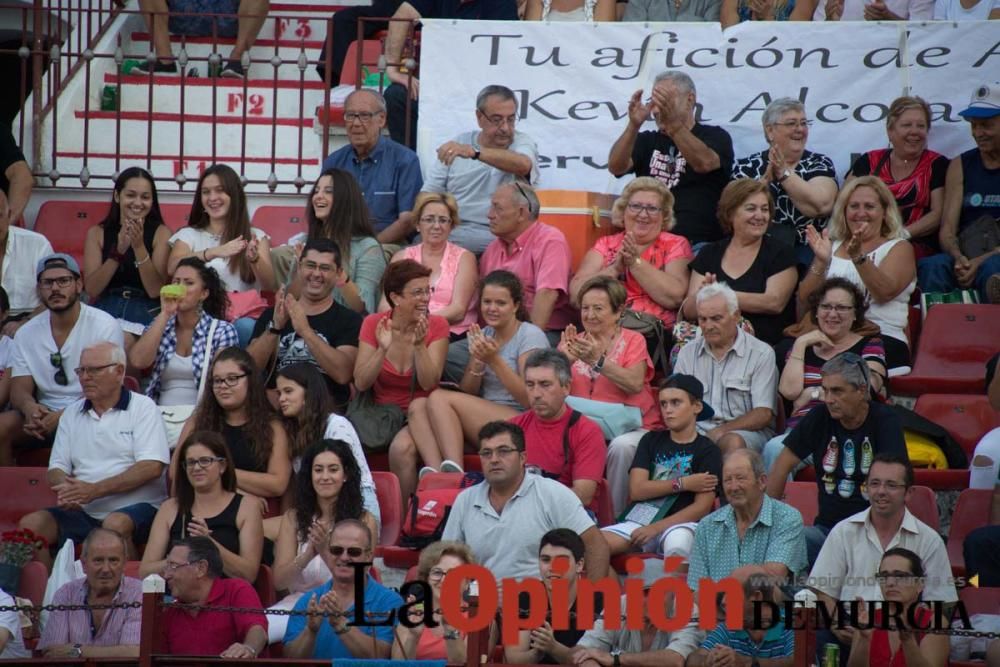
{"x":34,"y":347}
{"x":24,"y":249}
{"x":94,"y":447}
{"x":846,"y":566}
{"x":507,"y":543}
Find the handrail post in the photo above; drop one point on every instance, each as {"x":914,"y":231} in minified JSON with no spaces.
{"x":477,"y":647}
{"x":37,"y":67}
{"x":151,"y":636}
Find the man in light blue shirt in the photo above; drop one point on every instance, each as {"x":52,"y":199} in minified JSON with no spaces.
{"x":388,"y":172}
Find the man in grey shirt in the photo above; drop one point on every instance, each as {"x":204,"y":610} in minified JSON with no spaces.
{"x":668,"y":10}
{"x":474,"y":164}
{"x":504,"y":517}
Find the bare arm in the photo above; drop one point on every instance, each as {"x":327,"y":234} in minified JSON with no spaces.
{"x":368,"y":365}
{"x":506,"y":160}
{"x":754,"y":420}
{"x":591,"y":265}
{"x":666,"y":287}
{"x":287,"y":561}
{"x":97,"y":272}
{"x":262,"y":268}
{"x":951,"y":212}
{"x":135,"y":476}
{"x":584,"y":490}
{"x":5,"y":381}
{"x":22,"y":394}
{"x":803,"y":11}
{"x":993,"y":392}
{"x":153,"y":271}
{"x":728,"y":17}
{"x":814,"y":197}
{"x":155,"y":555}
{"x":697,"y":154}
{"x":143,"y":352}
{"x":886,"y":281}
{"x":428,"y":363}
{"x":465,"y":288}
{"x":302,"y":646}
{"x":778,"y":475}
{"x":246,"y":563}
{"x":630,"y":379}
{"x":596,"y":552}
{"x":398,"y":30}
{"x":620,"y":156}
{"x":337,"y":362}
{"x":274,"y":481}
{"x":256,"y":639}
{"x":398,"y":230}
{"x":606,"y":10}
{"x":542,"y":307}
{"x":929,"y":224}
{"x":775,"y":297}
{"x":263,"y":347}
{"x":19,"y":191}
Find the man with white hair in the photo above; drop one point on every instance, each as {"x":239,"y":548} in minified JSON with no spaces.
{"x":108,"y":459}
{"x":737,"y":371}
{"x":692,"y":159}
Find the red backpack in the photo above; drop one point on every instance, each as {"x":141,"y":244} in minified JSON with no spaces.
{"x":429,"y":509}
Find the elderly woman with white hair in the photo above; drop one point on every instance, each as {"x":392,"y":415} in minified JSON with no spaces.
{"x":866,"y":244}
{"x":803,"y":184}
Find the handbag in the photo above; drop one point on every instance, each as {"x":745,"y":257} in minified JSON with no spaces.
{"x":929,"y":299}
{"x":614,"y":419}
{"x":651,"y":327}
{"x":248,"y":303}
{"x":175,"y":416}
{"x":376,"y":423}
{"x":979,"y":237}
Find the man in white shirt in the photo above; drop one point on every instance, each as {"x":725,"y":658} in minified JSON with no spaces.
{"x":46,"y":350}
{"x":20,"y":250}
{"x":108,"y":460}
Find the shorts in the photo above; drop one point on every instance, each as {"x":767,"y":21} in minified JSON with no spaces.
{"x":674,"y":541}
{"x":76,"y":524}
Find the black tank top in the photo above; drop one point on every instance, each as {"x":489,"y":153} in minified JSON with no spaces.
{"x":127,"y":275}
{"x":222,"y":525}
{"x":239,"y":447}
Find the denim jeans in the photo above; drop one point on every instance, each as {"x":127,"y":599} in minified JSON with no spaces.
{"x":131,"y":305}
{"x":937,"y":274}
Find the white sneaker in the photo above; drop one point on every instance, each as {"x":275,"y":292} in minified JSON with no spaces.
{"x":450,"y":466}
{"x":426,"y":470}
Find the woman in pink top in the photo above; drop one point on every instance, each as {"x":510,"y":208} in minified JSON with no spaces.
{"x":441,"y":642}
{"x":646,"y":257}
{"x":453,"y":268}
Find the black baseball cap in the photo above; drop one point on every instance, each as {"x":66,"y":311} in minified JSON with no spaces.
{"x":694,"y":388}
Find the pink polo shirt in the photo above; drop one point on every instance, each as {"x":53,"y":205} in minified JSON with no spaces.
{"x":541,"y":259}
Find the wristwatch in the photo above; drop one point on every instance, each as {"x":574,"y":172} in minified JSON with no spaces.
{"x":77,"y":651}
{"x":785,"y":175}
{"x":452,"y":634}
{"x":616,"y":657}
{"x":599,"y":365}
{"x":475,"y":151}
{"x":273,"y":329}
{"x":342,"y":630}
{"x":858,"y":261}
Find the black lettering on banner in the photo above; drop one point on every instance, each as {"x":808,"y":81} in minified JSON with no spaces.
{"x":494,"y":45}
{"x":799,"y":58}
{"x":876,"y":59}
{"x":822,"y":115}
{"x":644,"y":50}
{"x":859,"y":114}
{"x":775,"y":55}
{"x":994,"y":51}
{"x":615,"y":58}
{"x":529,"y":57}
{"x":690,"y":62}
{"x":730,"y":55}
{"x":699,"y":113}
{"x":528,"y":104}
{"x":764,"y":98}
{"x":945,"y":113}
{"x":922,"y":57}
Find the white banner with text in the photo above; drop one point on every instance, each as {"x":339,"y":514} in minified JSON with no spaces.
{"x":573,"y":82}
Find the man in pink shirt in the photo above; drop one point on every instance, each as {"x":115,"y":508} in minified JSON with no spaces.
{"x":560,"y":443}
{"x":535,"y":252}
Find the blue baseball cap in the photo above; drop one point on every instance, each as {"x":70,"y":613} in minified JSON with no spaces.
{"x":985,"y":102}
{"x":59,"y":260}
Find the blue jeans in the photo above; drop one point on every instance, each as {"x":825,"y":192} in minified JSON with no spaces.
{"x":772,"y":450}
{"x":76,"y":524}
{"x":937,"y":274}
{"x":130,"y":305}
{"x":815,"y":537}
{"x":244,"y":329}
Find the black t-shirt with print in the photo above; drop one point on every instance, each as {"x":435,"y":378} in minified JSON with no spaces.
{"x":842,"y":457}
{"x":663,"y":458}
{"x":696,"y":196}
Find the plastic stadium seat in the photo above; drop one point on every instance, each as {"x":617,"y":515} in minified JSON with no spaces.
{"x":280,"y":222}
{"x":405,"y":557}
{"x":982,"y":600}
{"x":264,"y":585}
{"x":25,"y":490}
{"x":602,"y":501}
{"x":955,"y":343}
{"x":65,"y":224}
{"x":971,"y":511}
{"x":33,"y":458}
{"x":803,"y":496}
{"x":34,"y":578}
{"x":132,"y":568}
{"x":389,"y":504}
{"x":371,"y":49}
{"x":967,"y":417}
{"x":923,"y":505}
{"x":175,"y":216}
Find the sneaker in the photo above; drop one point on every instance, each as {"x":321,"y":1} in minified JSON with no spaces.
{"x":155,"y":67}
{"x":426,"y":470}
{"x":849,"y":458}
{"x":450,"y":466}
{"x":866,"y":456}
{"x":846,"y":488}
{"x":233,"y":70}
{"x":993,"y":289}
{"x":830,"y":457}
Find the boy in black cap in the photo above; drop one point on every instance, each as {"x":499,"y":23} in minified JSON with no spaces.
{"x":673,"y":478}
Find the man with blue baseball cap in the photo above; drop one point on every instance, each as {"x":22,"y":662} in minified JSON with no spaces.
{"x":970,"y":222}
{"x":47,"y":352}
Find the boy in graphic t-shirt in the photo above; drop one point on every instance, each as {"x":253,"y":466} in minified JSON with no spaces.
{"x":673,"y":478}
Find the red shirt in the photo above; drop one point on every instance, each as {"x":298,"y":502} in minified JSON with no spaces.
{"x":212,"y":632}
{"x":879,"y":652}
{"x":544,"y":446}
{"x":391,"y":385}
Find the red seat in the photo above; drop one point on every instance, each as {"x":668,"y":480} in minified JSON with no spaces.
{"x":264,"y":585}
{"x":65,"y":224}
{"x":25,"y":490}
{"x":132,"y":568}
{"x":966,"y":417}
{"x":441,"y":480}
{"x":132,"y":384}
{"x":602,"y":501}
{"x":371,"y":49}
{"x":803,"y":496}
{"x":390,"y":507}
{"x":405,"y":557}
{"x":175,"y":216}
{"x":34,"y":578}
{"x":280,"y":222}
{"x":922,"y":504}
{"x":955,"y":343}
{"x":472,"y":463}
{"x":971,"y":511}
{"x":977,"y":601}
{"x":938,"y":480}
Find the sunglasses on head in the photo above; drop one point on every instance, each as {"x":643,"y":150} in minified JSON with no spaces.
{"x":56,"y":359}
{"x":353,"y":552}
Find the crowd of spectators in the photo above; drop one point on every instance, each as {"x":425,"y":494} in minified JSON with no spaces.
{"x":450,"y":307}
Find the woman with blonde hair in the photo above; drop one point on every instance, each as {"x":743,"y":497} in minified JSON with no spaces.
{"x":866,"y":244}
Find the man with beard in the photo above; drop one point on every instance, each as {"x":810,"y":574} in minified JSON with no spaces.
{"x":47,"y":352}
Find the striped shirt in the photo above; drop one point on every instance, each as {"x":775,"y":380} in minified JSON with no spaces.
{"x":778,"y":642}
{"x":120,"y":626}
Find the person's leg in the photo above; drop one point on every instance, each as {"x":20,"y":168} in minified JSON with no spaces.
{"x":133,"y":524}
{"x":56,"y":525}
{"x":773,"y":449}
{"x":982,"y":555}
{"x":936,"y":273}
{"x":403,"y":463}
{"x":989,"y":268}
{"x":815,"y":537}
{"x":456,"y":418}
{"x":621,"y":451}
{"x":754,"y":440}
{"x":418,"y":422}
{"x":155,"y":13}
{"x":730,"y":442}
{"x":396,"y":100}
{"x":618,"y":537}
{"x":252,"y":15}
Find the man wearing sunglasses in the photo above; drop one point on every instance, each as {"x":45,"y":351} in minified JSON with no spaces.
{"x":46,"y":350}
{"x":843,"y":435}
{"x":108,"y":460}
{"x":336,"y":635}
{"x":474,"y":164}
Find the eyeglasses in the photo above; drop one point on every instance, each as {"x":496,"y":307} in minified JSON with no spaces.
{"x":897,"y":577}
{"x":436,"y":574}
{"x":172,"y":567}
{"x":364,"y":116}
{"x":831,"y":307}
{"x":61,"y":281}
{"x":422,"y":292}
{"x":352,"y":552}
{"x":793,"y":124}
{"x":229,"y":380}
{"x":852,"y":358}
{"x":202,"y":462}
{"x":91,"y":370}
{"x":887,"y":485}
{"x":313,"y":266}
{"x":498,"y":120}
{"x":56,"y":359}
{"x":524,"y":194}
{"x":441,"y":220}
{"x":502,"y":452}
{"x":648,"y":209}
